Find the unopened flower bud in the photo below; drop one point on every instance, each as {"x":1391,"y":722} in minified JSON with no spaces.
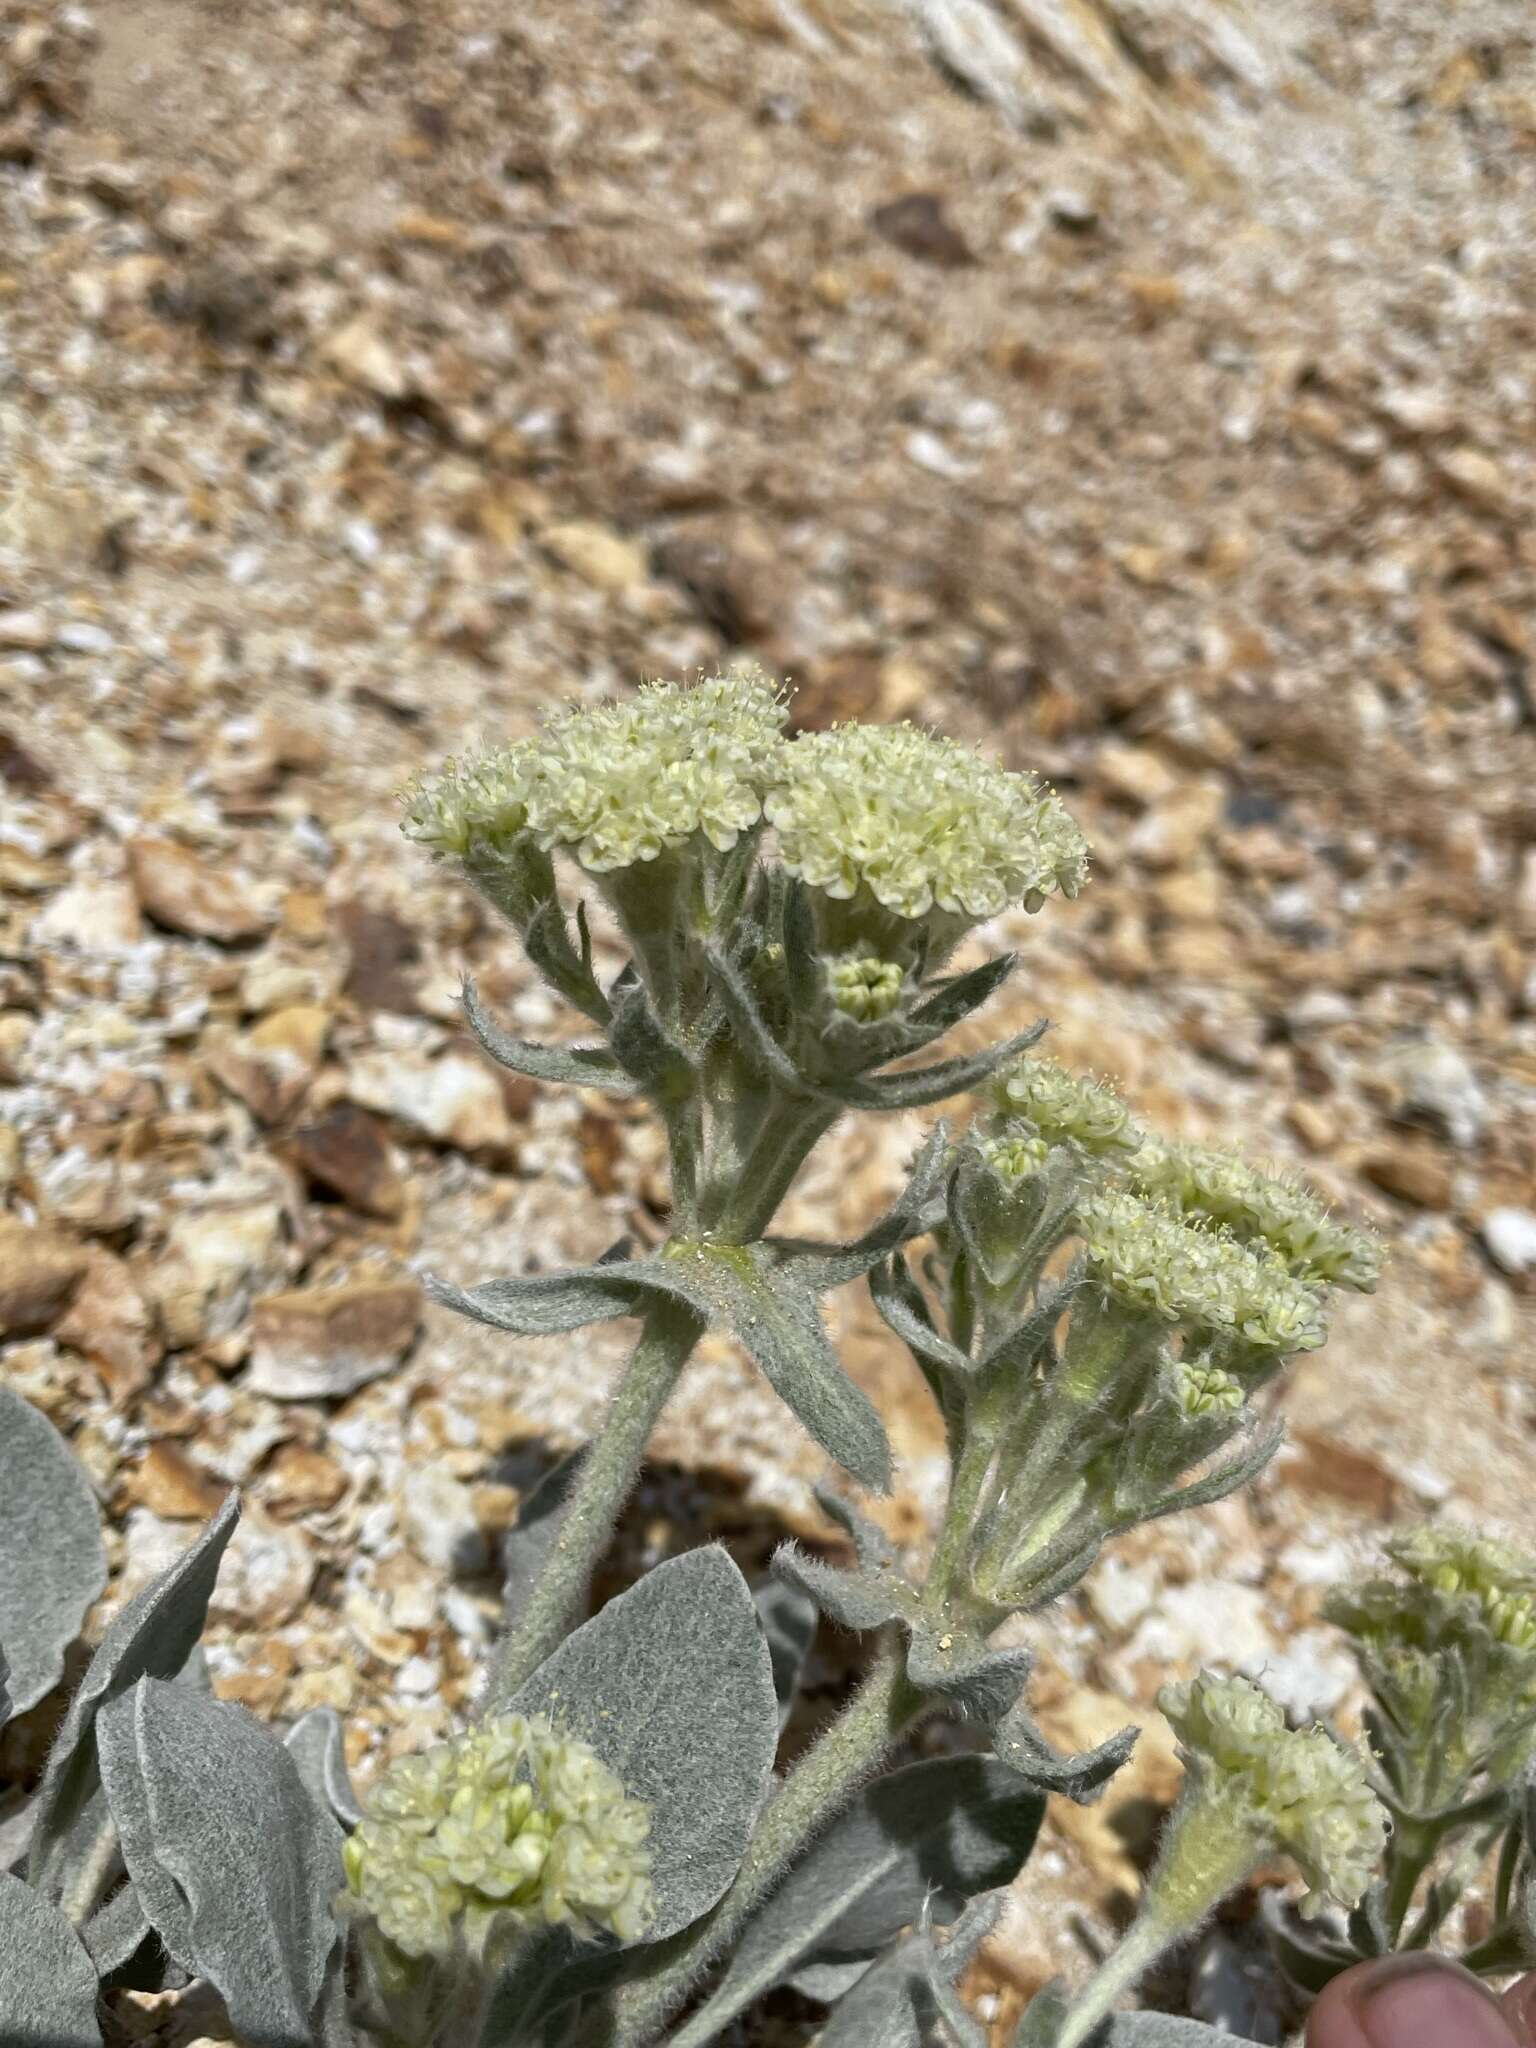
{"x":864,"y":987}
{"x":1065,"y":1108}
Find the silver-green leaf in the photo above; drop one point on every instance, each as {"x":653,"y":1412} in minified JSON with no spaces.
{"x":234,"y":1863}
{"x":316,"y":1742}
{"x":928,"y":1837}
{"x":47,"y":1981}
{"x":672,"y":1685}
{"x":572,"y":1066}
{"x":52,"y":1564}
{"x":152,"y":1637}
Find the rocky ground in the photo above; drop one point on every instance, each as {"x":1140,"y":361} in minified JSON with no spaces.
{"x":1144,"y":393}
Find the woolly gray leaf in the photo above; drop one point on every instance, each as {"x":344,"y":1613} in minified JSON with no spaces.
{"x":819,"y":1267}
{"x":1042,"y":2018}
{"x":16,"y":1834}
{"x":1161,"y":2030}
{"x":856,"y":1600}
{"x":909,"y":1995}
{"x":1310,"y":1962}
{"x":47,"y":1981}
{"x":954,"y":999}
{"x":234,"y":1863}
{"x":923,"y":1085}
{"x":828,"y":1982}
{"x":540,"y":1304}
{"x":804,"y":975}
{"x":316,"y":1742}
{"x":787,"y":1617}
{"x":1238,"y":1472}
{"x":871,"y":1546}
{"x":777,"y":1323}
{"x":752,"y":1033}
{"x":152,"y":1637}
{"x":979,"y":1683}
{"x":527,"y":1544}
{"x":903,"y":1309}
{"x":930,"y":1836}
{"x":643,"y":1048}
{"x":547,"y":943}
{"x":672,"y":1685}
{"x":52,"y":1565}
{"x":580,"y":1066}
{"x":1021,"y":1746}
{"x":115,"y":1932}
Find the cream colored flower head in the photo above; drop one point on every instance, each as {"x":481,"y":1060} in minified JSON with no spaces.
{"x":1260,"y":1207}
{"x":512,"y":1823}
{"x":1298,"y":1788}
{"x":1153,"y":1260}
{"x":479,"y":805}
{"x":921,"y":822}
{"x":616,"y":784}
{"x":1065,"y":1108}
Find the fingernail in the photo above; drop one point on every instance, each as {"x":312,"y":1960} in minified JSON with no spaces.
{"x":1519,"y":2008}
{"x":1422,"y":2002}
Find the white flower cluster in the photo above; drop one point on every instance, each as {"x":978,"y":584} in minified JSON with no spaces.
{"x":1499,"y":1577}
{"x":1153,"y":1260}
{"x":864,"y":987}
{"x":475,"y":806}
{"x":513,"y":1819}
{"x":1297,"y":1787}
{"x":1255,"y":1206}
{"x":616,"y":784}
{"x":623,"y":783}
{"x":921,"y":822}
{"x":1065,"y":1108}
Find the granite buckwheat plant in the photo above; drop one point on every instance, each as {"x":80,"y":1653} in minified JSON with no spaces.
{"x":604,"y":1857}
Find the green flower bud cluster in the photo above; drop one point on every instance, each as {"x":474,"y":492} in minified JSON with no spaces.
{"x":1206,"y":1390}
{"x":1065,"y":1108}
{"x":1457,"y":1561}
{"x":1154,"y":1261}
{"x":616,"y":784}
{"x":1296,"y":1790}
{"x":514,"y":1823}
{"x":1260,"y":1209}
{"x":921,"y":823}
{"x":864,"y":987}
{"x":1015,"y":1152}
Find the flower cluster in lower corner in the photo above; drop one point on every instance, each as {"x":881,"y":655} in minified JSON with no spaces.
{"x":514,"y":1820}
{"x":1156,"y":1262}
{"x":1299,"y":1787}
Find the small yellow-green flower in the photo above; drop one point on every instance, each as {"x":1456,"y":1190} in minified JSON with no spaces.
{"x":921,"y":822}
{"x":864,"y":987}
{"x":1206,"y":1390}
{"x":1259,"y":1208}
{"x":473,"y":806}
{"x":1299,"y":1789}
{"x":1154,"y":1261}
{"x":514,"y":1823}
{"x":1499,"y":1577}
{"x":1065,"y":1108}
{"x":1014,"y":1151}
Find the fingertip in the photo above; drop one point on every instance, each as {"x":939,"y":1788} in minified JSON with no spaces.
{"x":1519,"y":2005}
{"x":1410,"y":2001}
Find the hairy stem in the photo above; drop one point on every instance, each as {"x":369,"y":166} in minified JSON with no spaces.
{"x":607,"y":1476}
{"x":90,"y":1878}
{"x":775,"y":1160}
{"x":1136,"y":1954}
{"x":815,"y":1791}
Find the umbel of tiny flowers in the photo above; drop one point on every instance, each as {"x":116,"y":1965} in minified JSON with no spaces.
{"x":469,"y":1846}
{"x":1253,"y":1788}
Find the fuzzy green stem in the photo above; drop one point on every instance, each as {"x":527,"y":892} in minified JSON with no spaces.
{"x":815,"y":1791}
{"x":1206,"y":1853}
{"x":778,"y":1156}
{"x":91,"y":1874}
{"x":607,"y":1476}
{"x":1408,"y":1856}
{"x":987,"y":1415}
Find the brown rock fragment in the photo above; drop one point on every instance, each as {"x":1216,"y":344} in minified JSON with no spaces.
{"x":109,"y":1323}
{"x":321,"y":1343}
{"x":1420,"y":1174}
{"x":182,"y":894}
{"x":40,"y":1271}
{"x":301,"y":1480}
{"x":170,"y":1485}
{"x":383,"y":951}
{"x":346,"y":1154}
{"x":270,"y":1066}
